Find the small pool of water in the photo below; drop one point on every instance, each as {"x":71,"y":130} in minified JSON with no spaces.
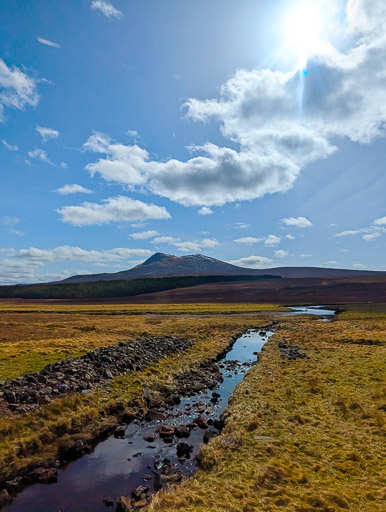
{"x":116,"y":467}
{"x":310,"y":310}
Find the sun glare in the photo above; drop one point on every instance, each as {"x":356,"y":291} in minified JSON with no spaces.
{"x":303,"y":31}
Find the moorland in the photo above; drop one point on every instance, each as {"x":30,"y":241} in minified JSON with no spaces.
{"x":299,"y":435}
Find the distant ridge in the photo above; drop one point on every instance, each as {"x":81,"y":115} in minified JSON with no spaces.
{"x":163,"y":265}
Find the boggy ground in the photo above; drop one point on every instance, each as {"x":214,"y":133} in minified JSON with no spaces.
{"x":35,"y":336}
{"x":304,"y":435}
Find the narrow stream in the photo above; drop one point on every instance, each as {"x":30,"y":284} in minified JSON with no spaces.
{"x":117,"y":467}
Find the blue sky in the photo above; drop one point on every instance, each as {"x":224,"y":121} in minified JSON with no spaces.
{"x":250,"y":131}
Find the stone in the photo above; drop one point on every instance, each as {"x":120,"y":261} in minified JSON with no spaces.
{"x":45,"y":475}
{"x":4,"y":498}
{"x":109,"y":502}
{"x":120,"y":432}
{"x":182,"y":431}
{"x":184,"y":449}
{"x":153,"y":414}
{"x":124,"y":504}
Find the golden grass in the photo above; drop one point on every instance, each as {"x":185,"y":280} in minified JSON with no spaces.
{"x":37,"y":437}
{"x":305,"y":435}
{"x":34,"y":335}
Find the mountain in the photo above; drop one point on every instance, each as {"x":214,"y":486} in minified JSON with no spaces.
{"x":160,"y":265}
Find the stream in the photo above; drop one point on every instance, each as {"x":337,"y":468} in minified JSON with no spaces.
{"x":118,"y":467}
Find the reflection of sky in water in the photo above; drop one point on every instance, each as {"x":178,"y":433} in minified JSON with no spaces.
{"x":310,"y":310}
{"x":107,"y":472}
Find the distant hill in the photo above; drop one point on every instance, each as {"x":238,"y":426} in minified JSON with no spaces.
{"x":163,"y":265}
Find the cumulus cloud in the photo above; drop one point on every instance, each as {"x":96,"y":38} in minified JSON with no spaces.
{"x":369,"y":234}
{"x":73,"y":189}
{"x":22,"y":266}
{"x":248,"y":240}
{"x":252,"y":262}
{"x":290,"y":237}
{"x":40,"y":154}
{"x":47,"y":42}
{"x":272,"y":240}
{"x":281,"y":254}
{"x":113,"y":209}
{"x":17,"y":89}
{"x":144,"y":235}
{"x":47,"y":133}
{"x":297,"y":222}
{"x":10,"y":147}
{"x":276,"y":128}
{"x":187,"y":246}
{"x":106,"y":8}
{"x":68,"y":253}
{"x":380,"y":222}
{"x":205,"y":211}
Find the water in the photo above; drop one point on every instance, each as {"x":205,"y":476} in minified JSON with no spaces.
{"x":310,"y":310}
{"x":118,"y":466}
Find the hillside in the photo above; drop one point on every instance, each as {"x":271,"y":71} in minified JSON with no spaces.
{"x":162,"y":265}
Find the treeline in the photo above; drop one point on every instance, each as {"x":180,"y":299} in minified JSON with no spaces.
{"x":121,"y":288}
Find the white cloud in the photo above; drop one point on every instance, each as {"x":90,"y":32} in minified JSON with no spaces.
{"x":290,"y":237}
{"x":40,"y":154}
{"x":252,"y":262}
{"x":349,"y":232}
{"x":272,"y":240}
{"x":22,"y":266}
{"x":281,"y":254}
{"x":380,"y":222}
{"x":248,"y":240}
{"x":68,"y":253}
{"x":10,"y":221}
{"x":305,"y":255}
{"x":72,"y":189}
{"x":370,"y":237}
{"x":113,"y":209}
{"x":106,"y":8}
{"x":16,"y":232}
{"x":144,"y":235}
{"x":205,"y":211}
{"x":17,"y":89}
{"x":370,"y":233}
{"x":11,"y":147}
{"x":47,"y":133}
{"x":330,"y":263}
{"x":241,"y":225}
{"x":47,"y":42}
{"x":357,"y":264}
{"x":187,"y":246}
{"x":297,"y":222}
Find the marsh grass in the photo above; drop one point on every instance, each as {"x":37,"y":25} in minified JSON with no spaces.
{"x":300,"y":435}
{"x":40,"y":436}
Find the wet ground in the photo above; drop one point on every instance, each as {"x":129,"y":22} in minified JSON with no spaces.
{"x":117,"y":467}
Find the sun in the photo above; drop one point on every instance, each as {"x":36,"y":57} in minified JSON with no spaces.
{"x":303,"y":27}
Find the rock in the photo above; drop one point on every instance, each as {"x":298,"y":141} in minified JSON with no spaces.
{"x":153,"y":414}
{"x":45,"y":475}
{"x":183,"y":450}
{"x":109,"y":502}
{"x":124,"y":504}
{"x":4,"y":498}
{"x":140,"y":504}
{"x":208,"y":435}
{"x":201,"y":422}
{"x":218,"y":424}
{"x":165,"y":431}
{"x":182,"y":431}
{"x":149,"y":438}
{"x":140,"y":492}
{"x":120,"y":432}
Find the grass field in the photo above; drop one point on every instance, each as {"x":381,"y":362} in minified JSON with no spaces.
{"x":32,"y":338}
{"x":304,"y":436}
